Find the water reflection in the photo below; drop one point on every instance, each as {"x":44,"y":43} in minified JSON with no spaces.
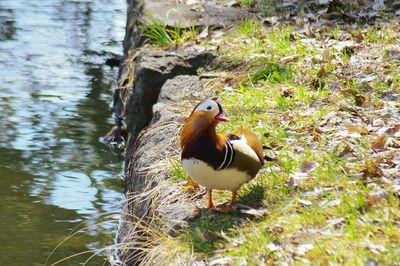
{"x":7,"y":24}
{"x":54,"y":102}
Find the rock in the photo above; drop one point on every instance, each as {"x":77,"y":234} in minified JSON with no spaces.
{"x":184,"y":85}
{"x":173,"y":13}
{"x":149,"y":192}
{"x":156,"y":91}
{"x":113,"y":61}
{"x":153,"y":68}
{"x":224,"y":261}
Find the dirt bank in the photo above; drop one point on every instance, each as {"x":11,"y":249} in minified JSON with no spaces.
{"x":157,"y":89}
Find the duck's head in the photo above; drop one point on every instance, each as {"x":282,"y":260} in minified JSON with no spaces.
{"x":209,"y":110}
{"x":202,"y":122}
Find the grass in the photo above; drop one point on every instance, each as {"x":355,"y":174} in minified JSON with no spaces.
{"x":159,"y":34}
{"x":272,"y":72}
{"x":156,"y":31}
{"x":319,"y":195}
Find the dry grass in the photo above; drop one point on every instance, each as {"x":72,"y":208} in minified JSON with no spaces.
{"x":321,"y":104}
{"x":331,"y":121}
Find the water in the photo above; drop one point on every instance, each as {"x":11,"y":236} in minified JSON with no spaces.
{"x":55,"y":94}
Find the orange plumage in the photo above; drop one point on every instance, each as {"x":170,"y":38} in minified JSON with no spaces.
{"x":214,"y":160}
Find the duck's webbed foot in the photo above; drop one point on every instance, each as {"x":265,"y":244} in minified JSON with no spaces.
{"x":227,"y":208}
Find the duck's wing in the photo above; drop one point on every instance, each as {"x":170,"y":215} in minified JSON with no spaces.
{"x":243,"y":151}
{"x":245,"y":159}
{"x":251,"y":140}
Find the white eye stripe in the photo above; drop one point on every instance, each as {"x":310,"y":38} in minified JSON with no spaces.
{"x":208,"y":105}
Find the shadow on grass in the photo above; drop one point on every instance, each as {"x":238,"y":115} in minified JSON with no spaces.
{"x":205,"y":230}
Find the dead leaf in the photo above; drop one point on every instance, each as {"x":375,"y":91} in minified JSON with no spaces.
{"x":384,"y":131}
{"x":291,"y":182}
{"x":275,"y":229}
{"x":273,"y":246}
{"x":392,"y":142}
{"x":204,"y":33}
{"x":392,"y":172}
{"x":308,"y":166}
{"x":238,"y":241}
{"x":336,"y":222}
{"x":316,"y":136}
{"x":375,"y":197}
{"x":324,"y":262}
{"x":191,"y":184}
{"x":334,"y":86}
{"x":363,"y":101}
{"x":371,"y":262}
{"x":376,"y":248}
{"x":372,"y":169}
{"x":365,"y":86}
{"x":357,"y":129}
{"x":346,"y":92}
{"x":396,"y":189}
{"x":333,"y":203}
{"x":224,"y":261}
{"x":317,"y":83}
{"x":311,"y":193}
{"x":379,"y":160}
{"x":378,"y":143}
{"x":288,"y":59}
{"x":305,"y":202}
{"x":392,"y":53}
{"x":308,"y":30}
{"x":357,"y":35}
{"x":303,"y":249}
{"x":343,"y":149}
{"x":254,"y":212}
{"x":261,"y":36}
{"x":286,"y":92}
{"x":379,"y":105}
{"x":325,"y":54}
{"x":293,"y":179}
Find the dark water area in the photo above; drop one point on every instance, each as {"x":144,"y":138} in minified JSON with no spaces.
{"x":56,"y":178}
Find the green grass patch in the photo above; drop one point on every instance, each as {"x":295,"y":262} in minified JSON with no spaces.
{"x":156,"y":31}
{"x":176,"y":170}
{"x":317,"y":195}
{"x":158,"y":34}
{"x":272,"y":72}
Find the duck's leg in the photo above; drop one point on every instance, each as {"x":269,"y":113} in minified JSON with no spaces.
{"x":210,"y":202}
{"x":233,"y":199}
{"x":230,"y":205}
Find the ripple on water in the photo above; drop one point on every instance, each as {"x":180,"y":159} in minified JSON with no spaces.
{"x":54,"y":99}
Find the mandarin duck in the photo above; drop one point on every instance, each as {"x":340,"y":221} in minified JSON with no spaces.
{"x":214,"y":160}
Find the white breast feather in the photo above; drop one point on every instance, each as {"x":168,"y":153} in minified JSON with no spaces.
{"x":203,"y":174}
{"x":226,"y":179}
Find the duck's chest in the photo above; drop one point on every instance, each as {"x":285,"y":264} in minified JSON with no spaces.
{"x":205,"y":150}
{"x":207,"y":176}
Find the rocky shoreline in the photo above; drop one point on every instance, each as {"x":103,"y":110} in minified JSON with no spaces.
{"x":292,"y":73}
{"x":156,"y":90}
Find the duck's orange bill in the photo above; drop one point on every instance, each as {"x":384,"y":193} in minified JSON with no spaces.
{"x":221,"y":117}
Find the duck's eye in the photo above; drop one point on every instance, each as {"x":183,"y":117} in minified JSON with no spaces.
{"x":209,"y":107}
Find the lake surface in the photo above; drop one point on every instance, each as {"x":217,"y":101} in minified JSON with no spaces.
{"x":56,"y":178}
